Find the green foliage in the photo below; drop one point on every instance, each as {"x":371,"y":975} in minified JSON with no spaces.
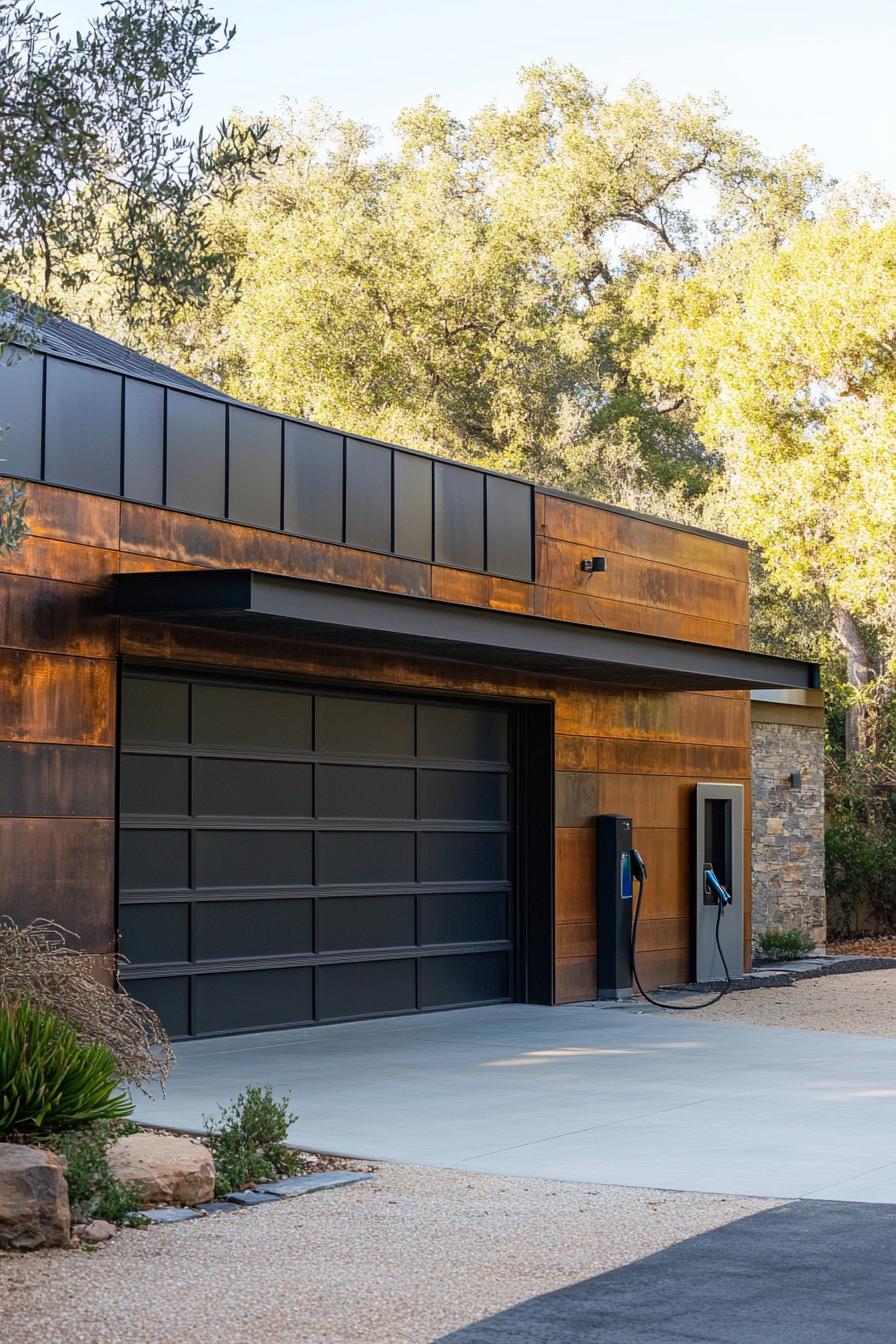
{"x":468,"y":293}
{"x":248,"y":1140}
{"x":779,"y":344}
{"x":860,"y":844}
{"x":13,"y":506}
{"x":784,"y":946}
{"x":51,"y":1079}
{"x":92,"y":1189}
{"x":97,"y":179}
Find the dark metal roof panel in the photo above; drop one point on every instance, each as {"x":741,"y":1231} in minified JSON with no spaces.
{"x":60,"y":336}
{"x":326,"y":613}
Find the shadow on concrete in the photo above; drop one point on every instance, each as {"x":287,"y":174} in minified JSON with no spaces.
{"x":810,"y":1272}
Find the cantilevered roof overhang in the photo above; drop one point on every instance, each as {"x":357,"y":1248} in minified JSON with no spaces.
{"x":324,"y":613}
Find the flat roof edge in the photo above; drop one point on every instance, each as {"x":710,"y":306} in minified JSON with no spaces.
{"x":193,"y":387}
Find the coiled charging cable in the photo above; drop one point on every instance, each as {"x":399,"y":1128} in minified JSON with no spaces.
{"x":640,"y":873}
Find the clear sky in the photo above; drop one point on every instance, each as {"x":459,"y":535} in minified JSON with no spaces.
{"x":815,"y":72}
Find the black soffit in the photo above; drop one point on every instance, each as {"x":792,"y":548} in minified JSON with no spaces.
{"x":324,"y":613}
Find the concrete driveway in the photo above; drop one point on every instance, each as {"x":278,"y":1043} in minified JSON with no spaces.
{"x":626,"y":1096}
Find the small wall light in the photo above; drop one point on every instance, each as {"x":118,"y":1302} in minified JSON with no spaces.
{"x":593,"y":564}
{"x":796,"y":779}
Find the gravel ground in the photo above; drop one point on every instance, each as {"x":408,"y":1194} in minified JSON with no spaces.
{"x":400,"y":1260}
{"x":862,"y":1004}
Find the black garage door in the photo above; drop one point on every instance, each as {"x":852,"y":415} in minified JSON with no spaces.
{"x":295,"y":855}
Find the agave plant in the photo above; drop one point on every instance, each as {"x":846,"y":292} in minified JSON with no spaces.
{"x":49,"y":1079}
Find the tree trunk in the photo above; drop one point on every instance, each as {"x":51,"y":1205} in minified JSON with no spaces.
{"x":859,"y":672}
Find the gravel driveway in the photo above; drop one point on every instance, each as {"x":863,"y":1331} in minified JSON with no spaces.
{"x":861,"y":1004}
{"x":401,"y":1260}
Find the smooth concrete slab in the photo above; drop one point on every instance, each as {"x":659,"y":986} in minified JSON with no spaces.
{"x":588,"y":1092}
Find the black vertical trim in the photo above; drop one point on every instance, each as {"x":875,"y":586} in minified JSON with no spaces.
{"x":226,"y":460}
{"x":282,"y":475}
{"x":43,"y":419}
{"x":164,"y":445}
{"x":532,"y":538}
{"x":432,"y":525}
{"x":344,"y":485}
{"x":485,"y":559}
{"x":121,"y":440}
{"x":392,"y":500}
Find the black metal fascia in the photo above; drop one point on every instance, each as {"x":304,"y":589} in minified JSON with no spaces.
{"x":352,"y":617}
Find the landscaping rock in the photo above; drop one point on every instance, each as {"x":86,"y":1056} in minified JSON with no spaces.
{"x":248,"y":1197}
{"x":167,"y":1215}
{"x":33,"y":1198}
{"x":305,"y":1185}
{"x":170,"y":1168}
{"x":96,"y":1231}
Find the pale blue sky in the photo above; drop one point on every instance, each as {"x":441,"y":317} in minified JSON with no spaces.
{"x":816,"y":72}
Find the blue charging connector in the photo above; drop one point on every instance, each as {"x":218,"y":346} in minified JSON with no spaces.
{"x":715,"y":888}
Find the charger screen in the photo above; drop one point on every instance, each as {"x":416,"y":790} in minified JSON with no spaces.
{"x":625,"y":876}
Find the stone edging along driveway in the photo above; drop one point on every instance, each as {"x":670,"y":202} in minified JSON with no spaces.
{"x":269,"y":1193}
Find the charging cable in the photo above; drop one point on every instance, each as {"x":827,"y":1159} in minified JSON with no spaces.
{"x":723,"y":897}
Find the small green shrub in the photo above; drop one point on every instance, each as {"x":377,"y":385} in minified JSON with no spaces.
{"x":93,"y":1191}
{"x":792,"y":944}
{"x":52,"y":1080}
{"x":248,"y":1140}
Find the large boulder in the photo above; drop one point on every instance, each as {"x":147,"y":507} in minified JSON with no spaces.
{"x":170,"y":1168}
{"x":33,"y":1198}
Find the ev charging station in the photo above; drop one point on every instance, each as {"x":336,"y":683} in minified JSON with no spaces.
{"x":718,"y":865}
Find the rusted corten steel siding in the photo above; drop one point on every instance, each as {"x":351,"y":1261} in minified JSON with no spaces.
{"x":637,"y":752}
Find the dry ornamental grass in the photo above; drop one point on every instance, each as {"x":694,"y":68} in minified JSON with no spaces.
{"x":37,"y":963}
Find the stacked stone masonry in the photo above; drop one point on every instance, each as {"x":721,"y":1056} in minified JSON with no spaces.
{"x":788,"y":830}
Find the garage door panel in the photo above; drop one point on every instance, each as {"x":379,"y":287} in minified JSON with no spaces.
{"x":229,"y":930}
{"x":253,"y":859}
{"x":156,"y":933}
{"x":464,"y":917}
{"x":251,"y":718}
{"x":298,"y":855}
{"x":454,"y":732}
{"x":479,"y":977}
{"x":155,"y":785}
{"x":347,"y":857}
{"x":356,"y":727}
{"x":233,"y":788}
{"x":169,"y":996}
{"x":356,"y":923}
{"x":364,"y":990}
{"x":154,"y":860}
{"x":460,"y":856}
{"x":365,"y":791}
{"x":252,"y":1000}
{"x":156,"y":711}
{"x":463,"y":795}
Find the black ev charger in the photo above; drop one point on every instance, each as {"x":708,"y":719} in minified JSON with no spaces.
{"x":619,"y":865}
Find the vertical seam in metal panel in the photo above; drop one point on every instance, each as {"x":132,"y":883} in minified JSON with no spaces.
{"x":121,"y":440}
{"x":392,"y":500}
{"x":532,"y":539}
{"x":165,"y":446}
{"x":344,"y":487}
{"x":432,"y":511}
{"x":43,"y":420}
{"x":226,"y":461}
{"x":485,"y":556}
{"x":282,"y":475}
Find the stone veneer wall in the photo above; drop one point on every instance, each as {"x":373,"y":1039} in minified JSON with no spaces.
{"x":788,"y":828}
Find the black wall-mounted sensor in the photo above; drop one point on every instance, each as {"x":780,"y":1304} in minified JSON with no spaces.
{"x":594,"y":564}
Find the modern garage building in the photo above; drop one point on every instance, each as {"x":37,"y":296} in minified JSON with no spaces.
{"x":313,"y":727}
